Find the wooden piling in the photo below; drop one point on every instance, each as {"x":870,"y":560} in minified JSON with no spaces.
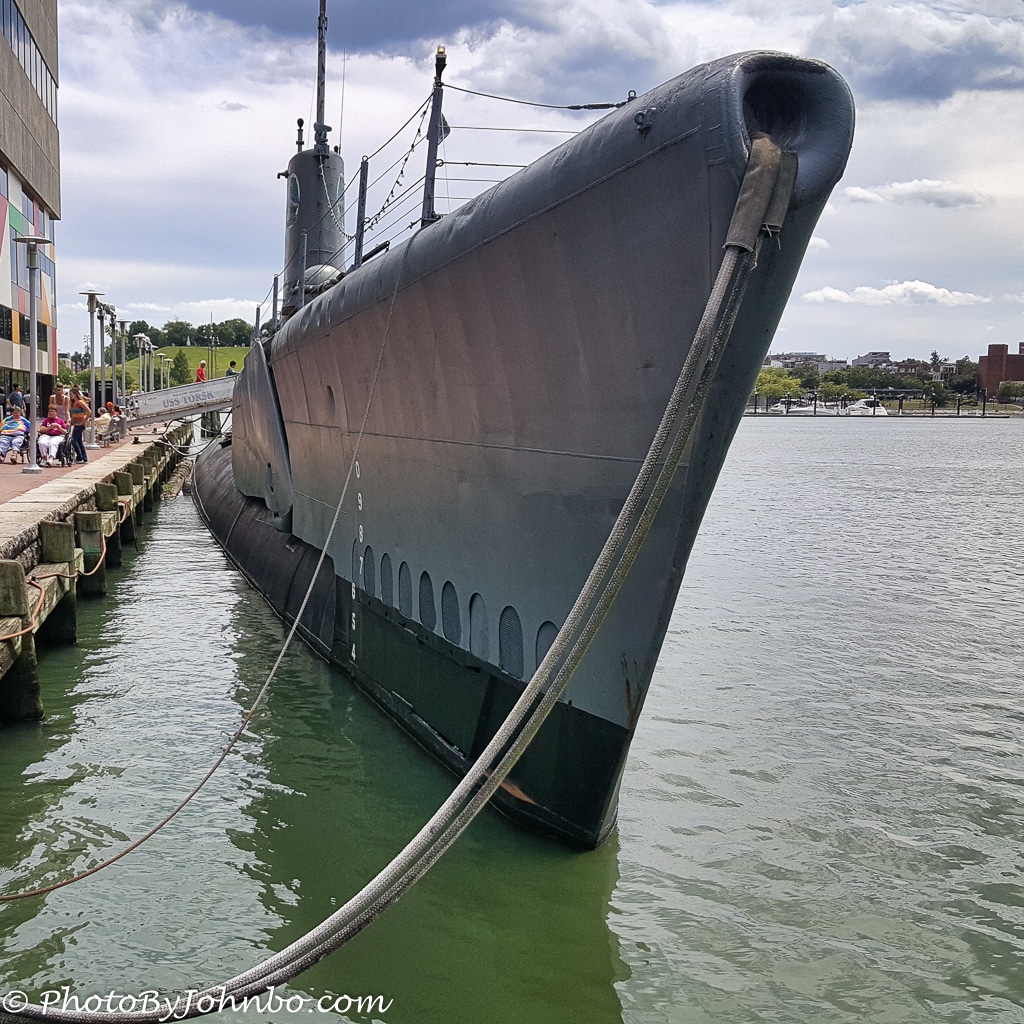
{"x":123,"y":482}
{"x":19,"y":685}
{"x":89,"y":528}
{"x":42,"y":570}
{"x":138,"y":473}
{"x":57,"y":544}
{"x":106,"y":501}
{"x":149,"y":470}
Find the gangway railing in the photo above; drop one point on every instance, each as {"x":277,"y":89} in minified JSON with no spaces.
{"x":142,"y":407}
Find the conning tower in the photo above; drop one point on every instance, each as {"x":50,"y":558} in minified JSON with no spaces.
{"x":315,"y":211}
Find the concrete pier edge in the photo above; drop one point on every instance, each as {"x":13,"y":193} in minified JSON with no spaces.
{"x":66,"y":531}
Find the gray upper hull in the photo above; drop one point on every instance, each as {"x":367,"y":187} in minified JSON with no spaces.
{"x":512,"y":362}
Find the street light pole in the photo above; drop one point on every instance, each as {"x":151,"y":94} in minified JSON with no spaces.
{"x":93,"y":297}
{"x":123,"y":324}
{"x":103,"y":358}
{"x":32,"y":243}
{"x":98,"y":401}
{"x":139,"y":339}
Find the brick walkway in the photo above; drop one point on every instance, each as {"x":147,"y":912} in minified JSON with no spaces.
{"x":14,"y":482}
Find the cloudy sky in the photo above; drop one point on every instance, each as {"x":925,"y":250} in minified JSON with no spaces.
{"x":176,"y":118}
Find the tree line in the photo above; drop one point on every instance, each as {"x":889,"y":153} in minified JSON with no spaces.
{"x":854,"y":382}
{"x":235,"y":332}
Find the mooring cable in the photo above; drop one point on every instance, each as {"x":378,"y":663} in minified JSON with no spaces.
{"x":42,"y":890}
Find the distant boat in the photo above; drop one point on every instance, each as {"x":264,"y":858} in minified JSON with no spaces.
{"x":493,"y":385}
{"x":798,"y":409}
{"x":866,"y":407}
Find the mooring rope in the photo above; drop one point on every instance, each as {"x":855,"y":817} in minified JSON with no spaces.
{"x":556,"y":669}
{"x":168,"y":818}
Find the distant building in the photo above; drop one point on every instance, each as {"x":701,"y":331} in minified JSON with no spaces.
{"x":911,"y":367}
{"x":830,"y":365}
{"x":999,"y":365}
{"x":944,"y":371}
{"x":29,"y":183}
{"x":794,"y":360}
{"x":876,"y":360}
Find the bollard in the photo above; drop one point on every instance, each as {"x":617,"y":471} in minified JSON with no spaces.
{"x":19,"y":687}
{"x":57,"y":541}
{"x":89,"y":527}
{"x":106,"y":501}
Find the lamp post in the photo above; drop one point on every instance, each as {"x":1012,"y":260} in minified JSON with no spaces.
{"x":32,"y":243}
{"x":140,"y":340}
{"x":93,"y":297}
{"x":103,"y":358}
{"x":102,"y":309}
{"x":123,"y":324}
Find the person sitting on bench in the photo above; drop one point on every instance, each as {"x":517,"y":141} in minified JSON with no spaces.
{"x":102,"y":426}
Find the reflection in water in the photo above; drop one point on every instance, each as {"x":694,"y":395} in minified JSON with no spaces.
{"x":321,"y":794}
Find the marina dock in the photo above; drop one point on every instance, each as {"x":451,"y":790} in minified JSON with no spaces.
{"x":59,"y":531}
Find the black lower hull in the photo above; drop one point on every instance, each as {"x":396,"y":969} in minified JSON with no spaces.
{"x":452,"y":703}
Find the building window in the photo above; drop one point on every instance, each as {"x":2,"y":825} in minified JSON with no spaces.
{"x":30,"y":57}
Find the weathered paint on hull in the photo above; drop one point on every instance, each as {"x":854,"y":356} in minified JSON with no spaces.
{"x":449,"y":700}
{"x":519,"y":354}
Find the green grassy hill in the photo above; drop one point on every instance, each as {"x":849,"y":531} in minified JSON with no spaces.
{"x":193,"y":354}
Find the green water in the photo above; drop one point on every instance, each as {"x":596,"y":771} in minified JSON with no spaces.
{"x":821,"y":820}
{"x":322,"y":794}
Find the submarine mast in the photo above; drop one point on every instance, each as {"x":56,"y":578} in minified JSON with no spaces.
{"x":315,"y":210}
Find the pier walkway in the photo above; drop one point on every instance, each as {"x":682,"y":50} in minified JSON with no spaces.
{"x":59,"y":530}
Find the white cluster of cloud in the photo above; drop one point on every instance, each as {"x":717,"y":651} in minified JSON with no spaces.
{"x":923,"y":190}
{"x":177,"y":116}
{"x":897,"y":292}
{"x":919,"y":51}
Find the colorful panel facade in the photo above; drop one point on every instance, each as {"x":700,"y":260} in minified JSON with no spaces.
{"x":29,"y":184}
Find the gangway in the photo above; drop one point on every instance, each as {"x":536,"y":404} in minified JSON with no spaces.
{"x":143,"y":407}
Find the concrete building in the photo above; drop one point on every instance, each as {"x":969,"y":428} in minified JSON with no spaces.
{"x":793,"y":360}
{"x":999,"y":365}
{"x":875,"y":360}
{"x":29,"y":184}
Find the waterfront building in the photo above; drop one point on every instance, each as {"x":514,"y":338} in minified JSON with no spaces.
{"x":29,"y":185}
{"x":795,"y":360}
{"x":999,"y":365}
{"x":874,"y":360}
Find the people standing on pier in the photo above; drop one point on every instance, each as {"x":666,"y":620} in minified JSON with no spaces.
{"x":201,"y":372}
{"x":61,"y":401}
{"x":81,"y":416}
{"x":16,"y":400}
{"x":232,"y":369}
{"x":13,"y":432}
